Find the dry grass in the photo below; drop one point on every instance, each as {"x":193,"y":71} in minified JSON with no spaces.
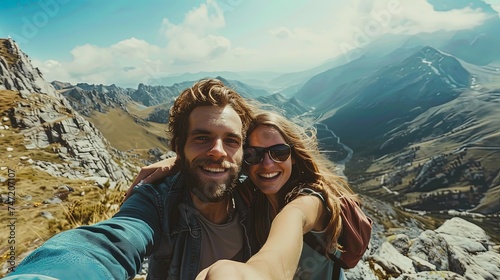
{"x":140,"y":110}
{"x":120,"y":129}
{"x":8,"y":99}
{"x":90,"y":209}
{"x":9,"y":57}
{"x":87,"y":204}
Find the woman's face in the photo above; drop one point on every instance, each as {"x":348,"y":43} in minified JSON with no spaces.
{"x":268,"y":175}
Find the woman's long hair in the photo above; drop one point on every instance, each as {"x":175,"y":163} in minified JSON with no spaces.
{"x":311,"y":169}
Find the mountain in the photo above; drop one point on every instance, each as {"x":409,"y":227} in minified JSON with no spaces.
{"x":286,"y":83}
{"x":87,"y":98}
{"x":46,"y":120}
{"x":361,"y":106}
{"x":479,"y":45}
{"x":289,"y":107}
{"x":320,"y":88}
{"x":422,"y":127}
{"x":256,"y":79}
{"x":243,"y":89}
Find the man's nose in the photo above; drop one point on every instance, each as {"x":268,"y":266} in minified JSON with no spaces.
{"x":217,"y":149}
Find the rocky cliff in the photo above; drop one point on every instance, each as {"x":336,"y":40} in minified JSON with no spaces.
{"x":47,"y":121}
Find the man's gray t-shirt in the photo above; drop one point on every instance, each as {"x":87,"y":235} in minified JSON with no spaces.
{"x":224,"y":241}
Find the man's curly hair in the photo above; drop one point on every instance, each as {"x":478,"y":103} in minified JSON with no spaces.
{"x":207,"y":92}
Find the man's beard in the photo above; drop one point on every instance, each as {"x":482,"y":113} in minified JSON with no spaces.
{"x":209,"y":190}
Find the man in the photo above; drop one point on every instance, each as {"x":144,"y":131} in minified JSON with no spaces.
{"x":186,"y":222}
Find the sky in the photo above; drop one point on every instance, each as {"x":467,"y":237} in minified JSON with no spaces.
{"x":126,"y":42}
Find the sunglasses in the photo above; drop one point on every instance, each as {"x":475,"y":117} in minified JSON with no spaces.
{"x":278,"y":153}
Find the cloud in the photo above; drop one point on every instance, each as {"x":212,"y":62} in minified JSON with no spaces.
{"x":121,"y":63}
{"x":52,"y":70}
{"x":281,"y":32}
{"x":196,"y":37}
{"x":289,"y":42}
{"x":413,"y":17}
{"x":132,"y":60}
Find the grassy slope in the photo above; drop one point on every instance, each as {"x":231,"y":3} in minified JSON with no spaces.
{"x":120,"y":129}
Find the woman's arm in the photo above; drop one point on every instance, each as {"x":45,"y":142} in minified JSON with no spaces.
{"x":152,"y":172}
{"x":279,"y":257}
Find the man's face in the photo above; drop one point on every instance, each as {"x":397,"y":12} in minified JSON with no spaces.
{"x":213,"y":152}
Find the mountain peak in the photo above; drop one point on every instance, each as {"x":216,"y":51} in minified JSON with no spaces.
{"x":9,"y":51}
{"x":436,"y":62}
{"x":433,"y":53}
{"x":17,"y":73}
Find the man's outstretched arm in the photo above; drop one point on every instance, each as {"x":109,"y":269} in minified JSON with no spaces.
{"x":111,"y":249}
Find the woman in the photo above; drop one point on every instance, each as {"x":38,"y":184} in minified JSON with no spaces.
{"x":295,"y":190}
{"x":285,"y":167}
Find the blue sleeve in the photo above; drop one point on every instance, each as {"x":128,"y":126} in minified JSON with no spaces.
{"x":112,"y":249}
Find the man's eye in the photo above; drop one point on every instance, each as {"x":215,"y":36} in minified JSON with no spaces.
{"x":201,"y":138}
{"x":233,"y":141}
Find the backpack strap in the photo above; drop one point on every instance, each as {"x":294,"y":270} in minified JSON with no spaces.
{"x":312,"y":241}
{"x":354,"y":238}
{"x":306,"y":191}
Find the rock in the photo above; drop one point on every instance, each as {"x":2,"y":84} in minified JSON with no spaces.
{"x":430,"y":247}
{"x":460,"y":227}
{"x":401,"y":242}
{"x":101,"y":181}
{"x":9,"y":149}
{"x":47,"y":214}
{"x":53,"y":200}
{"x":360,"y":272}
{"x":422,"y":265}
{"x":30,"y":146}
{"x":456,"y":250}
{"x":431,"y":275}
{"x":392,"y":260}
